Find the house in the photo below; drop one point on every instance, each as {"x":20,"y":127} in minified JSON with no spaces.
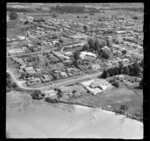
{"x":33,"y":81}
{"x":96,"y":85}
{"x":61,"y":56}
{"x":102,"y":83}
{"x":21,"y":37}
{"x":95,"y":66}
{"x":30,"y":70}
{"x":63,"y":74}
{"x":85,"y":54}
{"x":50,"y":93}
{"x":45,"y":78}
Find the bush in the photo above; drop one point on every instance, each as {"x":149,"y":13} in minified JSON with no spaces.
{"x":124,"y":107}
{"x":47,"y":99}
{"x":124,"y":52}
{"x":115,"y":83}
{"x":13,"y":16}
{"x":109,"y":42}
{"x":37,"y":95}
{"x":26,"y":22}
{"x":86,"y":47}
{"x":106,"y":53}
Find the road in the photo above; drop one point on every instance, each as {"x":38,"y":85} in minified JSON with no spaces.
{"x":19,"y":83}
{"x":63,"y":83}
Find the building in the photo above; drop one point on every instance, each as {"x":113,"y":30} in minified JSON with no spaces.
{"x":63,"y":74}
{"x":30,"y":70}
{"x":85,"y":54}
{"x":96,"y":85}
{"x":21,"y":37}
{"x":45,"y":78}
{"x":95,"y":67}
{"x":33,"y":81}
{"x":50,"y":93}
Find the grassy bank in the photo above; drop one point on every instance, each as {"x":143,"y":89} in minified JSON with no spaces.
{"x":121,"y":112}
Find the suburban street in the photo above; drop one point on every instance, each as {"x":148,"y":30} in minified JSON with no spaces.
{"x":63,"y":83}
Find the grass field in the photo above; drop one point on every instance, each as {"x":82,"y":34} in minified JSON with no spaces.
{"x":116,"y":97}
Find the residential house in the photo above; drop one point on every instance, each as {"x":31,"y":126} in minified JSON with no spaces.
{"x":33,"y":81}
{"x":30,"y":70}
{"x":50,"y":93}
{"x":45,"y":78}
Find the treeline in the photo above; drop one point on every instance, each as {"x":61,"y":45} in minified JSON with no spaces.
{"x":133,"y":9}
{"x":133,"y":70}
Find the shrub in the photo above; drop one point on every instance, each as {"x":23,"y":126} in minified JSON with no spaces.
{"x":109,"y":42}
{"x":115,"y":83}
{"x":86,"y":47}
{"x":124,"y":52}
{"x":37,"y":95}
{"x":106,"y":53}
{"x":124,"y":107}
{"x":47,"y":99}
{"x":26,"y":22}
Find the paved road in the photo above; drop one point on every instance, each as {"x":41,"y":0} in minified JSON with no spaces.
{"x":65,"y":82}
{"x":19,"y":83}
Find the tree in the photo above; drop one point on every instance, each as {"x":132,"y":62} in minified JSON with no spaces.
{"x":86,"y":47}
{"x":36,"y":94}
{"x":124,"y":52}
{"x":85,"y":28}
{"x":105,"y":74}
{"x":26,"y":22}
{"x":108,"y":42}
{"x":115,"y":83}
{"x":74,"y":91}
{"x":54,"y":15}
{"x":13,"y":16}
{"x":59,"y":93}
{"x":124,"y":107}
{"x":121,"y":67}
{"x":91,"y":43}
{"x":136,"y":69}
{"x":126,"y":70}
{"x":106,"y":53}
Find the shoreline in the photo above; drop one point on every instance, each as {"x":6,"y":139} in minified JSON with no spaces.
{"x":127,"y":115}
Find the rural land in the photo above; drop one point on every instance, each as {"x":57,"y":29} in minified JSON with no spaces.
{"x":87,"y":54}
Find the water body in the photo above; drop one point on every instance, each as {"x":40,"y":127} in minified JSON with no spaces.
{"x":66,"y":121}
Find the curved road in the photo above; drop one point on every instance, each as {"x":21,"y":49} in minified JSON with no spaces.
{"x":65,"y":82}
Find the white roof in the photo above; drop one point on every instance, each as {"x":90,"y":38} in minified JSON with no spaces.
{"x":21,"y":37}
{"x":85,"y":53}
